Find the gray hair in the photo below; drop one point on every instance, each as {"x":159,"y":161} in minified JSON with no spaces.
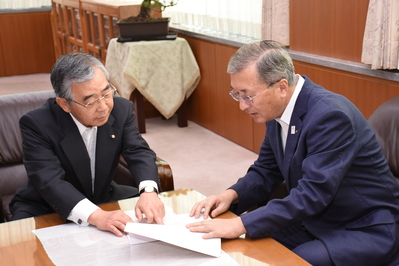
{"x":273,"y":62}
{"x":72,"y":68}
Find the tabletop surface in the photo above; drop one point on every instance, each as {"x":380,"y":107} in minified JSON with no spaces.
{"x":20,"y":246}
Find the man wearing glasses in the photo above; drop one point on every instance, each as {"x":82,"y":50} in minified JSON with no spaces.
{"x":342,"y":206}
{"x":72,"y":145}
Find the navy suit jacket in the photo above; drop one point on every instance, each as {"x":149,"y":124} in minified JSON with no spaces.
{"x":58,"y":164}
{"x":340,"y":186}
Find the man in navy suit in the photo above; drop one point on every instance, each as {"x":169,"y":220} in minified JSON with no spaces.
{"x":342,"y":206}
{"x":72,"y":145}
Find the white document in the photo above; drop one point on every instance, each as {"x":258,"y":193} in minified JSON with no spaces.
{"x":174,"y":232}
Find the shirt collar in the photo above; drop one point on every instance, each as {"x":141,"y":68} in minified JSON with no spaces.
{"x":80,"y":126}
{"x":286,"y":116}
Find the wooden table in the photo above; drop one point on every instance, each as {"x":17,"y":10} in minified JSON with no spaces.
{"x":19,"y":246}
{"x":164,"y":72}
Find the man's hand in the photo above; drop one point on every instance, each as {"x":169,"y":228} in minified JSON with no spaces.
{"x":223,"y":228}
{"x":113,"y":221}
{"x":150,"y":205}
{"x":214,"y":205}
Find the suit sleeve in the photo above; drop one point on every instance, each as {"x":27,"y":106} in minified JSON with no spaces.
{"x":44,"y":169}
{"x":329,"y":147}
{"x":256,"y":186}
{"x":136,"y":151}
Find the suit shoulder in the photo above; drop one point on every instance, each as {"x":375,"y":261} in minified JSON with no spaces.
{"x":122,"y":104}
{"x":42,"y":111}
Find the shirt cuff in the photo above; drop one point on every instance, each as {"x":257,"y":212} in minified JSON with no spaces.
{"x":148,"y":183}
{"x":82,"y":211}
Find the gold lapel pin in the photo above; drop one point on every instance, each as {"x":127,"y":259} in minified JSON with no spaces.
{"x":112,"y":136}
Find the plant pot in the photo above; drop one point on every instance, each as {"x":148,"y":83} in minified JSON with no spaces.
{"x":138,"y":29}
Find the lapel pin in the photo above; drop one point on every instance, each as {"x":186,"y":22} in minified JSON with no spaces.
{"x":112,"y":136}
{"x":293,"y":130}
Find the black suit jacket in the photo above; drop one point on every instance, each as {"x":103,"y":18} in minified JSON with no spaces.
{"x":58,"y":165}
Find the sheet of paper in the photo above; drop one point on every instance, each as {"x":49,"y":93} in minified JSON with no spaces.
{"x":174,"y":232}
{"x":70,"y":244}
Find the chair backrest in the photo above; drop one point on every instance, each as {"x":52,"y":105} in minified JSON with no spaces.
{"x":12,"y":170}
{"x":12,"y":107}
{"x":385,"y":122}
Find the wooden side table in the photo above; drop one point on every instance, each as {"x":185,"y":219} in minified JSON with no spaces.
{"x":165,"y":73}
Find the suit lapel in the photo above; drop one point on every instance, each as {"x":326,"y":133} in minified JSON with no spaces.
{"x":75,"y":149}
{"x":293,"y":134}
{"x":295,"y":126}
{"x":106,"y":148}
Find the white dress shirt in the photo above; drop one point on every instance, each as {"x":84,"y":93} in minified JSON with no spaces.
{"x":285,"y":118}
{"x":84,"y":208}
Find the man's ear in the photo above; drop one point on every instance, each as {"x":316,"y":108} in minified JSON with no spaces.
{"x":63,"y":103}
{"x":283,"y":86}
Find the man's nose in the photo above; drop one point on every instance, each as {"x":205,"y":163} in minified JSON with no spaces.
{"x":243,"y":105}
{"x":101,"y":104}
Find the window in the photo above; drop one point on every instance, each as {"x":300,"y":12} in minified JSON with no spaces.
{"x":224,"y":18}
{"x":22,"y":4}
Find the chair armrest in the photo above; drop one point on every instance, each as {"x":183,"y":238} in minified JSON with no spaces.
{"x":124,"y":177}
{"x":165,"y":175}
{"x":2,"y":220}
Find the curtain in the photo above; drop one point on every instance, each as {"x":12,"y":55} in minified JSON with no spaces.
{"x":381,"y":36}
{"x":275,"y":21}
{"x":22,"y":4}
{"x":233,"y":18}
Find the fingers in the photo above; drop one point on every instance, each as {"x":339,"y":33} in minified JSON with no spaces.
{"x":112,"y":221}
{"x":139,"y":214}
{"x":197,"y":209}
{"x":152,"y":207}
{"x":223,"y":228}
{"x":205,"y":205}
{"x":155,"y":216}
{"x":201,"y":227}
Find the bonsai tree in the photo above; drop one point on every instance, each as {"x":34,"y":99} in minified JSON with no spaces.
{"x":147,"y":6}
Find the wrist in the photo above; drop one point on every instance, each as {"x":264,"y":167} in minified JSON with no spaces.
{"x":93,"y":217}
{"x":148,"y":189}
{"x":231,"y":195}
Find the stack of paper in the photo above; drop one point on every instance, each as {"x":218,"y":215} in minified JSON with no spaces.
{"x":174,"y":232}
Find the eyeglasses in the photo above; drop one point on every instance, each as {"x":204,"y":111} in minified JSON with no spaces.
{"x":109,"y":95}
{"x":248,"y":99}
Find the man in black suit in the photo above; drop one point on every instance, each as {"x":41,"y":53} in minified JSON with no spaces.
{"x":72,"y":146}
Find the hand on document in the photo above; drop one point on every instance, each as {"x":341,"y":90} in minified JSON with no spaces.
{"x":173,"y":232}
{"x":223,"y":228}
{"x":150,"y":205}
{"x":215,"y":205}
{"x":113,"y":221}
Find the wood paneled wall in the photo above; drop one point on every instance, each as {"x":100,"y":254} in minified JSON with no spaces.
{"x":332,"y":28}
{"x":211,"y":106}
{"x":366,"y":92}
{"x":26,"y":43}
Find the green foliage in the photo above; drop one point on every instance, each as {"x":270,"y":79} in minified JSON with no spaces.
{"x":151,"y":4}
{"x":148,"y":5}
